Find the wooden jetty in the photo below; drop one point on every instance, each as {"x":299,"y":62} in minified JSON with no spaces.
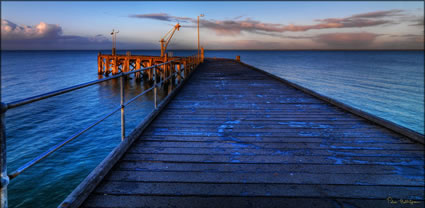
{"x":235,"y":136}
{"x":116,"y":63}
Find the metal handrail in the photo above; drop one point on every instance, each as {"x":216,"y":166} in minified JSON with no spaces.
{"x":32,"y":99}
{"x":4,"y":107}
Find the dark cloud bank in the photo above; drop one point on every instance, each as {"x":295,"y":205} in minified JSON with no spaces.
{"x":355,"y":40}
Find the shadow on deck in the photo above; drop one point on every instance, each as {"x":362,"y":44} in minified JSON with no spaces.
{"x":235,"y":137}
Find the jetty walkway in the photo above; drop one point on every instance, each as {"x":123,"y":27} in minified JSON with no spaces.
{"x":234,"y":136}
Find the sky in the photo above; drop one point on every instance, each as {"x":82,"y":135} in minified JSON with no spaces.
{"x":225,"y":25}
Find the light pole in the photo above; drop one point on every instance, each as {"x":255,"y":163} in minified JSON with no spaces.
{"x":198,"y":36}
{"x":114,"y":40}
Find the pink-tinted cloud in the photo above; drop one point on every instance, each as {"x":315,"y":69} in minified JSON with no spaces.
{"x":11,"y":31}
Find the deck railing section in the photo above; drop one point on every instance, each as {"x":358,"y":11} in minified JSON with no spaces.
{"x":191,"y":63}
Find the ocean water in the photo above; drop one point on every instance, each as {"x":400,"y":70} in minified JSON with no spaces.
{"x":388,"y":84}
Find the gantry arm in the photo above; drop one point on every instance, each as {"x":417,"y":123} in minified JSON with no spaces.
{"x":164,"y":44}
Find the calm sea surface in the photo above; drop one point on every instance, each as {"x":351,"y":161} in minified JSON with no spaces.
{"x":387,"y":84}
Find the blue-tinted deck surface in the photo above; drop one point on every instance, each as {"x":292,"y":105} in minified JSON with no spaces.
{"x":234,"y":137}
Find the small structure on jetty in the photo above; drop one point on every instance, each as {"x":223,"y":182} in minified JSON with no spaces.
{"x":115,"y":63}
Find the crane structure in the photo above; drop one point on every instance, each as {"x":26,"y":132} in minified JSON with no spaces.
{"x":114,"y":41}
{"x":167,"y":37}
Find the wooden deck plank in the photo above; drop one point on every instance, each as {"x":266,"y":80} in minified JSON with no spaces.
{"x":271,"y":168}
{"x":235,"y":137}
{"x":252,"y":190}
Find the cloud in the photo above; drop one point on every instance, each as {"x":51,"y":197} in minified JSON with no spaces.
{"x":379,"y":14}
{"x":412,"y":39}
{"x":418,"y":22}
{"x":162,"y":17}
{"x":236,"y":26}
{"x":252,"y":44}
{"x":11,"y":31}
{"x":347,"y":40}
{"x":46,"y":36}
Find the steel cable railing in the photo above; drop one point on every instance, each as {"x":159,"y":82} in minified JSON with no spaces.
{"x":4,"y":107}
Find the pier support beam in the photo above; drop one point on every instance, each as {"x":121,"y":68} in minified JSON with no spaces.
{"x":179,"y":77}
{"x":99,"y":63}
{"x":126,"y":65}
{"x":137,"y":75}
{"x":107,"y":66}
{"x":115,"y":66}
{"x":150,"y":70}
{"x":185,"y":68}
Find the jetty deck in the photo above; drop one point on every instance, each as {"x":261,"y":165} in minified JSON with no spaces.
{"x":234,"y":136}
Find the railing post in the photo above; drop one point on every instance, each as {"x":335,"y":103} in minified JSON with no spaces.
{"x":122,"y":109}
{"x":154,"y":89}
{"x":3,"y":165}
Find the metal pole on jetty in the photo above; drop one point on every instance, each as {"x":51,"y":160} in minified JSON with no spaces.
{"x":122,"y":109}
{"x":198,"y":36}
{"x":3,"y":165}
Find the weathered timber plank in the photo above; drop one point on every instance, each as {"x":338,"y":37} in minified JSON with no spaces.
{"x":252,"y":190}
{"x":230,"y":142}
{"x":266,"y":178}
{"x":278,"y":139}
{"x":271,"y":168}
{"x":273,"y":159}
{"x":275,"y":151}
